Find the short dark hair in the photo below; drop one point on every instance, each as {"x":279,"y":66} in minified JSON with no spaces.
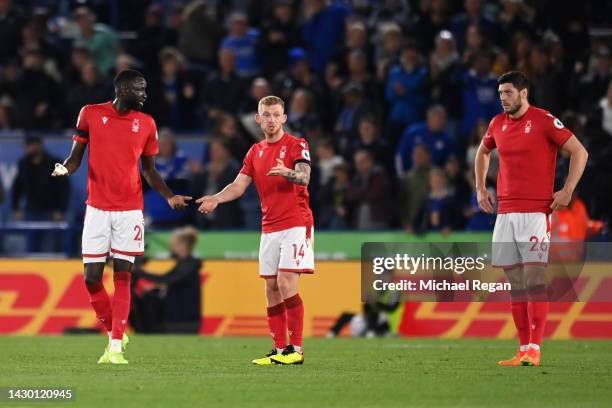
{"x":125,"y":76}
{"x":516,"y":78}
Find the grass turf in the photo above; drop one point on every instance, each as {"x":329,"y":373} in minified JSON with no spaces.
{"x":181,"y":371}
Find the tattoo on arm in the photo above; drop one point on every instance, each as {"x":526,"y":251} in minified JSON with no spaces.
{"x":301,"y":174}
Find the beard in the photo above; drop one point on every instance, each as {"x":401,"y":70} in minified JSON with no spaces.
{"x":512,"y":109}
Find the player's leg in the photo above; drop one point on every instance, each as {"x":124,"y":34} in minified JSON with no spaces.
{"x":535,"y":241}
{"x":269,"y":255}
{"x":518,"y":305}
{"x":297,"y":257}
{"x":95,"y":244}
{"x":507,"y":256}
{"x":127,"y":242}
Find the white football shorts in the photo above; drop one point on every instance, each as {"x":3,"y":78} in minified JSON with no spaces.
{"x":521,"y":239}
{"x":290,"y":250}
{"x":119,"y":232}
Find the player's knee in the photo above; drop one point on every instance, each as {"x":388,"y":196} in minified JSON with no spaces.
{"x":272,"y":286}
{"x":285,"y":283}
{"x":93,"y":273}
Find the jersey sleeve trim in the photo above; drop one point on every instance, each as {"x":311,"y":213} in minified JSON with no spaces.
{"x":301,"y":161}
{"x":80,"y":139}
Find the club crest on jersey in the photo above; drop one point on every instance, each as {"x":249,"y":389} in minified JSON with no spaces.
{"x":104,"y":119}
{"x":528,"y":127}
{"x":283,"y":152}
{"x":260,"y":153}
{"x":135,"y":126}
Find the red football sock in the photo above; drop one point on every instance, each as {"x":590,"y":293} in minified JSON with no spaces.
{"x":295,"y":319}
{"x":538,"y":311}
{"x":99,"y":299}
{"x":520,"y":315}
{"x":277,"y":321}
{"x":521,"y":321}
{"x":121,"y":303}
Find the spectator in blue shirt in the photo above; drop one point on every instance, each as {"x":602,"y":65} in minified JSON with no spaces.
{"x":480,"y":100}
{"x":243,"y":40}
{"x":432,"y":134}
{"x":405,"y":91}
{"x":473,"y":16}
{"x":323,"y":31}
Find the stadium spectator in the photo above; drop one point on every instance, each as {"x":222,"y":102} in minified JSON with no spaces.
{"x":368,"y":194}
{"x":278,"y":35}
{"x":515,"y":16}
{"x":480,"y":100}
{"x":180,"y":293}
{"x":199,"y":32}
{"x":473,"y":15}
{"x":153,"y":37}
{"x":437,"y":213}
{"x":224,"y":89}
{"x":354,"y":108}
{"x":297,"y":76}
{"x":327,"y":160}
{"x":387,"y":49}
{"x":172,"y":165}
{"x":99,"y":38}
{"x":370,"y":139}
{"x":37,"y":196}
{"x":432,"y":18}
{"x":333,"y":206}
{"x":219,"y":172}
{"x":444,"y":74}
{"x":226,"y":129}
{"x":79,"y":57}
{"x":430,"y":133}
{"x":474,"y":142}
{"x":358,"y":72}
{"x":605,"y":104}
{"x":459,"y":188}
{"x":260,"y":87}
{"x":300,"y":112}
{"x":11,"y":21}
{"x":36,"y":102}
{"x":414,"y":186}
{"x":174,"y":93}
{"x":594,"y":83}
{"x":405,"y":91}
{"x":242,"y":40}
{"x":89,"y":90}
{"x":545,"y":80}
{"x":322,"y":31}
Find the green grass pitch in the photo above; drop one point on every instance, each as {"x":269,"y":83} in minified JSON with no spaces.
{"x":177,"y":371}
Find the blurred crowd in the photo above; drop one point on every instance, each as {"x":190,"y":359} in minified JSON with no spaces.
{"x":393,"y":96}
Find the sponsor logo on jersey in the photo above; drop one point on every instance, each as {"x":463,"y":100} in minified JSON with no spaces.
{"x":104,"y":119}
{"x":135,"y":126}
{"x":528,"y":127}
{"x":558,"y":124}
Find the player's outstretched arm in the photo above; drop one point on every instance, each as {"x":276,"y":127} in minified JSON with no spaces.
{"x":578,"y":159}
{"x":484,"y":196}
{"x":301,"y":174}
{"x":231,"y":192}
{"x":73,"y":162}
{"x":157,"y":183}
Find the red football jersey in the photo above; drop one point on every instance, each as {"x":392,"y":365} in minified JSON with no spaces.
{"x":116,"y":143}
{"x":283,"y":204}
{"x":527,"y":157}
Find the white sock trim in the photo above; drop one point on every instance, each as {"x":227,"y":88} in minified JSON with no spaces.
{"x":524,"y":347}
{"x":115,"y":346}
{"x":534,"y":346}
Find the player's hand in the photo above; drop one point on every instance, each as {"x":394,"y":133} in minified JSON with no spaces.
{"x":279,"y":169}
{"x":207,"y":204}
{"x":60,"y":170}
{"x":561,"y":199}
{"x":486,"y":200}
{"x":178,"y":202}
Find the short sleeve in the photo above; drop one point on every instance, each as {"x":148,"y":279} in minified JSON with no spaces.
{"x":555,"y":131}
{"x":488,"y":140}
{"x":152,"y":147}
{"x":81,"y":133}
{"x":300,"y":152}
{"x":247,"y":163}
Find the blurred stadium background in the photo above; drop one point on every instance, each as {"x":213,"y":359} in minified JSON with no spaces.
{"x":392,"y":95}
